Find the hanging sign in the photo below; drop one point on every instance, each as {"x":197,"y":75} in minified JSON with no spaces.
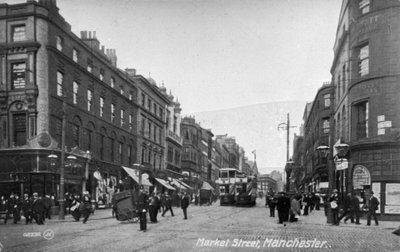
{"x":361,"y":177}
{"x":341,"y":164}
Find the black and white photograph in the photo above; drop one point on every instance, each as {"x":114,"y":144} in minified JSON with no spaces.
{"x":199,"y":125}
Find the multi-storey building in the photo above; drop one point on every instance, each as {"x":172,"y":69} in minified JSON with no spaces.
{"x":56,"y":85}
{"x":232,"y":147}
{"x":174,"y":139}
{"x":366,"y":75}
{"x":318,"y":123}
{"x":51,"y":79}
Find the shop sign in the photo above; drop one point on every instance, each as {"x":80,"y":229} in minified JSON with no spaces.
{"x":361,"y":177}
{"x":341,"y":164}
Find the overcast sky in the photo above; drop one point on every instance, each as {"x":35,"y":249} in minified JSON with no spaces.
{"x":218,"y":54}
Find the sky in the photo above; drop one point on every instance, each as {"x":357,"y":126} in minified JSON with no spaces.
{"x":217,"y":54}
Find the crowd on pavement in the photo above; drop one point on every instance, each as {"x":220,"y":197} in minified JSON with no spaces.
{"x":297,"y":206}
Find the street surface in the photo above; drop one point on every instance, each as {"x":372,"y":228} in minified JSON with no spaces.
{"x":209,"y":228}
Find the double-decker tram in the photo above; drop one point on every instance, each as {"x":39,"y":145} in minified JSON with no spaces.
{"x":236,"y":188}
{"x":227,"y":186}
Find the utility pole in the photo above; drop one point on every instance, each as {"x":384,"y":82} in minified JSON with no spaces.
{"x":286,"y":126}
{"x":62,"y":164}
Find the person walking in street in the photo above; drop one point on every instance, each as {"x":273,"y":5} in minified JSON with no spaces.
{"x":86,"y":206}
{"x":316,"y":199}
{"x":76,"y":214}
{"x":38,"y":209}
{"x":272,"y":204}
{"x":355,"y":201}
{"x":27,"y":208}
{"x":283,"y":206}
{"x":185,"y":204}
{"x":142,"y":209}
{"x":17,"y":209}
{"x":168,"y":204}
{"x":334,"y":203}
{"x":372,"y":204}
{"x":47,"y":206}
{"x":9,"y":207}
{"x":153,"y":208}
{"x":347,"y":211}
{"x":306,"y":203}
{"x":294,"y":208}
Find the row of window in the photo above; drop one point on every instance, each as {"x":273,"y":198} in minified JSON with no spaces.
{"x":152,"y":107}
{"x":150,"y":131}
{"x":77,"y":93}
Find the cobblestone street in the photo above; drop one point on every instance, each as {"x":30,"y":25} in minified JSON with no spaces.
{"x":209,"y":228}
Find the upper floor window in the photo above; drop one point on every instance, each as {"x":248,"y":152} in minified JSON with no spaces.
{"x":149,"y":104}
{"x":112,"y":112}
{"x":121,"y":90}
{"x":75,"y":92}
{"x":155,"y":109}
{"x":112,"y":82}
{"x":327,"y":100}
{"x":325,"y":126}
{"x":364,"y":6}
{"x":18,"y":77}
{"x":89,"y":100}
{"x":130,"y":122}
{"x":101,"y":106}
{"x":75,"y":55}
{"x":89,"y":66}
{"x":19,"y":33}
{"x":361,"y":113}
{"x":122,"y":117}
{"x":60,"y":78}
{"x":59,"y":43}
{"x":363,"y":64}
{"x":161,"y":113}
{"x":101,"y":76}
{"x":143,"y":100}
{"x":130,"y":95}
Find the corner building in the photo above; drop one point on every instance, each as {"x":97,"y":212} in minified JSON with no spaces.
{"x":366,"y":75}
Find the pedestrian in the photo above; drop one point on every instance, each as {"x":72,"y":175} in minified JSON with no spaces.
{"x":306,"y":203}
{"x":153,"y":208}
{"x":3,"y":207}
{"x":142,"y":209}
{"x":168,"y":204}
{"x":316,"y":199}
{"x":347,"y":209}
{"x":47,"y":206}
{"x":17,"y":209}
{"x":334,"y":203}
{"x":185,"y":204}
{"x":38,"y":209}
{"x":372,"y":204}
{"x":27,"y":208}
{"x":162,"y":201}
{"x":76,"y":214}
{"x":356,"y":207}
{"x":283,"y":206}
{"x":85,"y":206}
{"x":272,"y":204}
{"x":294,"y":208}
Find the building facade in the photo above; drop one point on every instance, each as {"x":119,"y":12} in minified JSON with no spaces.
{"x":366,"y":75}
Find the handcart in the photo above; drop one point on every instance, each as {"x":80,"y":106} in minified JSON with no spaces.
{"x":126,"y":207}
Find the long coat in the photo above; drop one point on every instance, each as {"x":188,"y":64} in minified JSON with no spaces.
{"x":185,"y":202}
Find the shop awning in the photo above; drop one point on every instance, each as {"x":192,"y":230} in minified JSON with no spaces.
{"x":206,"y":186}
{"x":180,"y":184}
{"x":131,"y":172}
{"x":165,"y":184}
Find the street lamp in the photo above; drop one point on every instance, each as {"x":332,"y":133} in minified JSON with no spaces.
{"x":140,"y":168}
{"x":70,"y":160}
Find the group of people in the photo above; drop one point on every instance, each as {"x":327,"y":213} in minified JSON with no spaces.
{"x":290,"y":208}
{"x":350,"y":208}
{"x":155,"y":203}
{"x":346,"y":208}
{"x":79,"y":206}
{"x":32,"y":208}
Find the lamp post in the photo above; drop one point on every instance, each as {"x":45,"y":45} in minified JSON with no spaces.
{"x":140,"y":169}
{"x":70,"y":160}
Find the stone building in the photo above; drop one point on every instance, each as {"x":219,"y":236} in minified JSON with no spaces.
{"x":366,"y":75}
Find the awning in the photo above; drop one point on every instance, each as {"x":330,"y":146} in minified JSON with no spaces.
{"x":165,"y":184}
{"x":132,"y":174}
{"x":181,"y":184}
{"x":206,"y":186}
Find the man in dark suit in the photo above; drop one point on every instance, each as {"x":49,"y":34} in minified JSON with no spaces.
{"x":27,"y":209}
{"x":283,"y":206}
{"x":142,"y":209}
{"x":168,"y":204}
{"x":185,"y":204}
{"x":373,"y":204}
{"x":347,"y":209}
{"x":38,"y":209}
{"x":334,"y":203}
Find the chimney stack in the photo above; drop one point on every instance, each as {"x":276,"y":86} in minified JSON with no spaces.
{"x":112,"y":56}
{"x":131,"y":72}
{"x":90,"y":40}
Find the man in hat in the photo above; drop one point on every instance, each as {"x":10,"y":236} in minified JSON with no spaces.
{"x":373,"y":204}
{"x":142,"y":206}
{"x":334,"y":203}
{"x":283,"y":206}
{"x":86,"y":206}
{"x":27,"y":208}
{"x":168,"y":204}
{"x":38,"y":209}
{"x":185,"y":204}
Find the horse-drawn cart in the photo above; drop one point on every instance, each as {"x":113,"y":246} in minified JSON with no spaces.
{"x":126,"y":207}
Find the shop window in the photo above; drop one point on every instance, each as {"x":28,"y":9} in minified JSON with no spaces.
{"x":392,"y":198}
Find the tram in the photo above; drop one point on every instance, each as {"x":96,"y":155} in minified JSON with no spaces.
{"x":236,"y":188}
